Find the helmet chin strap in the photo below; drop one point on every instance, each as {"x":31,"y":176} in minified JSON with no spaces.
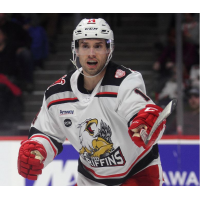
{"x":74,"y":63}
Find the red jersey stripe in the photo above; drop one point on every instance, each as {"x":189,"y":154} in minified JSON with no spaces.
{"x":61,"y":100}
{"x":102,"y":93}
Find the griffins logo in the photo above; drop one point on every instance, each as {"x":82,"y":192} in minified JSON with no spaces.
{"x":97,"y":147}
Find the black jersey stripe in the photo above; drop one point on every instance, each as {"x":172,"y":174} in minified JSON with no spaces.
{"x":106,"y":94}
{"x":130,"y":121}
{"x":144,"y":162}
{"x":60,"y":101}
{"x":57,"y":144}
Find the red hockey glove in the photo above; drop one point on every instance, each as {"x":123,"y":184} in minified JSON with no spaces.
{"x":145,"y":120}
{"x":30,"y":159}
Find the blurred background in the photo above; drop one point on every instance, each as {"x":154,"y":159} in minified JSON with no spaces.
{"x":35,"y":51}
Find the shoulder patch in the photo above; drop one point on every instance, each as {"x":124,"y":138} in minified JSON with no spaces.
{"x":115,"y":74}
{"x":120,"y":73}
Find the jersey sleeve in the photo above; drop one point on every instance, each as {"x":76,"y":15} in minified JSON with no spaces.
{"x":132,"y":97}
{"x":45,"y":131}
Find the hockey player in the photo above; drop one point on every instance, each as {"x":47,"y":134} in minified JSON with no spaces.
{"x":100,"y":108}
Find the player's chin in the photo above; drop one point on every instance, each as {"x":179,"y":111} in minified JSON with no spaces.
{"x":93,"y":71}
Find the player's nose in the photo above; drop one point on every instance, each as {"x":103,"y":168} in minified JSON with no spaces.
{"x":91,"y":52}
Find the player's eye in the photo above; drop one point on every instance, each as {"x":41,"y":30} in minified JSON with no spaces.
{"x":85,"y":46}
{"x":98,"y":46}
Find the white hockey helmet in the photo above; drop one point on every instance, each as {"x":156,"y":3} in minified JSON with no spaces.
{"x":91,"y":29}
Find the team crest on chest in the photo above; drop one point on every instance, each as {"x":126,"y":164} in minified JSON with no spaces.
{"x":120,"y":73}
{"x":97,"y":146}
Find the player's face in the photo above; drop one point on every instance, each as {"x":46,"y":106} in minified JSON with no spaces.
{"x":92,"y":55}
{"x":194,"y":102}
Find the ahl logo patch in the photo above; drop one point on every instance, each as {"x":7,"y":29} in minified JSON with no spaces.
{"x":67,"y":122}
{"x":120,"y":73}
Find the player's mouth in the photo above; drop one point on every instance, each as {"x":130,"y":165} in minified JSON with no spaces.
{"x":92,"y":64}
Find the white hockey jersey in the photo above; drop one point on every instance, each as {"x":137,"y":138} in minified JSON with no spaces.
{"x":96,"y":124}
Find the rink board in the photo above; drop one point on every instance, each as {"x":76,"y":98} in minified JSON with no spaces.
{"x":179,"y":157}
{"x":180,"y":162}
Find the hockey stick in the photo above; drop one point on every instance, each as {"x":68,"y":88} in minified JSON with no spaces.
{"x":163,"y":115}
